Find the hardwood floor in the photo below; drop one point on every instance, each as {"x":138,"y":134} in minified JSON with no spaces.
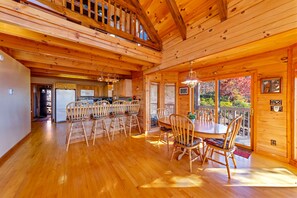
{"x":131,"y":167}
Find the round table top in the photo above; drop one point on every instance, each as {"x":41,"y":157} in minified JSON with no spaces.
{"x":204,"y":129}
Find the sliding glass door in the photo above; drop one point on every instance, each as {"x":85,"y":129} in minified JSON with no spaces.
{"x":234,"y":100}
{"x":228,"y":98}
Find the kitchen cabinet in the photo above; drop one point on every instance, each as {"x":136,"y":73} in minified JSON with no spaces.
{"x":123,"y":88}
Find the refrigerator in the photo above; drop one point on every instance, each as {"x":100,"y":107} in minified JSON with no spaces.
{"x":63,"y":97}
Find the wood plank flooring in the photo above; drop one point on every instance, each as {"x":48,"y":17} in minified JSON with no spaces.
{"x":131,"y":167}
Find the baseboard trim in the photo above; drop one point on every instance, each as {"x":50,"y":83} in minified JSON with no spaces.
{"x":11,"y":151}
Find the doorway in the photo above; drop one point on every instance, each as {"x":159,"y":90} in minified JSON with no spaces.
{"x":41,"y":102}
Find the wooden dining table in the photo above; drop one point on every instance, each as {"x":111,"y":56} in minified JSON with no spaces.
{"x":203,"y":129}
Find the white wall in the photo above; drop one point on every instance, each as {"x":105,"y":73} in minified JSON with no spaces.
{"x":15,"y":117}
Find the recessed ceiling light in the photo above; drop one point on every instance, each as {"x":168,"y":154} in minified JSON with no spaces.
{"x":1,"y":57}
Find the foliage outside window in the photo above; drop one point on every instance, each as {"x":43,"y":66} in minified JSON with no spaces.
{"x":235,"y":92}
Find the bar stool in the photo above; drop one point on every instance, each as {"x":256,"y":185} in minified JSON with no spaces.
{"x":77,"y":113}
{"x":117,"y":118}
{"x":132,"y":112}
{"x":100,"y":112}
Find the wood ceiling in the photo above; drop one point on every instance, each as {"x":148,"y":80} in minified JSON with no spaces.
{"x":57,"y":42}
{"x":50,"y":55}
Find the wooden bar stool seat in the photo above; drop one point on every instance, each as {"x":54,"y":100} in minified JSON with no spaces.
{"x":132,"y":118}
{"x":100,"y":113}
{"x":117,"y":117}
{"x":77,"y":113}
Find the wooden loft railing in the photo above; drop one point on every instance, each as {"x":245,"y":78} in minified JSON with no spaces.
{"x":114,"y":17}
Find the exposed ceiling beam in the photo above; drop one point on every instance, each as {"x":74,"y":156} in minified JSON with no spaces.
{"x":45,"y":49}
{"x":222,"y":6}
{"x":8,"y":29}
{"x":146,"y":23}
{"x":39,"y":58}
{"x":178,"y":19}
{"x":59,"y":75}
{"x":38,"y":21}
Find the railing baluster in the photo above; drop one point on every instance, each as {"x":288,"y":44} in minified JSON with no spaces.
{"x":131,"y":23}
{"x":115,"y":15}
{"x":120,"y":25}
{"x":81,"y":7}
{"x":103,"y":11}
{"x":96,"y":10}
{"x":126,"y":20}
{"x":108,"y":13}
{"x":72,"y":5}
{"x":89,"y":8}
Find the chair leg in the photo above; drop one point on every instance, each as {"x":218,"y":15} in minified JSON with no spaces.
{"x":94,"y":131}
{"x":69,"y":136}
{"x":227,"y":164}
{"x":167,"y":140}
{"x":105,"y":129}
{"x":173,"y":151}
{"x":130,"y":124}
{"x":85,"y":134}
{"x":161,"y":133}
{"x":233,"y":159}
{"x":139,"y":129}
{"x":205,"y":154}
{"x":111,"y":127}
{"x":122,"y":125}
{"x":190,"y":158}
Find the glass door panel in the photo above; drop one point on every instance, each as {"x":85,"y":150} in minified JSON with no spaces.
{"x":204,"y":96}
{"x":154,"y":97}
{"x":170,"y":98}
{"x":234,"y":100}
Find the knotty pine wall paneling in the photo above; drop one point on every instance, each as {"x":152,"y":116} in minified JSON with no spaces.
{"x":268,"y":125}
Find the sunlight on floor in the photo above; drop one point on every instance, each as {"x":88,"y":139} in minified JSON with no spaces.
{"x":268,"y":177}
{"x":170,"y":180}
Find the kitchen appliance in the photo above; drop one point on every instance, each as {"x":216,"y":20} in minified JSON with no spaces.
{"x":63,"y":97}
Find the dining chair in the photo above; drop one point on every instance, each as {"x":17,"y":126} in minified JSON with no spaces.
{"x":77,"y":113}
{"x":204,"y":114}
{"x":183,"y":132}
{"x":224,"y":146}
{"x":118,"y":114}
{"x":164,"y":131}
{"x":132,"y":118}
{"x":100,"y":114}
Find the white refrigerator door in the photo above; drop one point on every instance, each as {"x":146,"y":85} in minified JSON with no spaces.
{"x":63,"y":97}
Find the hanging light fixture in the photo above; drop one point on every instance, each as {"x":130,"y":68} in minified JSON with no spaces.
{"x":110,"y":78}
{"x":191,"y":80}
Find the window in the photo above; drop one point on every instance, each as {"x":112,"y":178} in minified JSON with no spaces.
{"x":170,"y":98}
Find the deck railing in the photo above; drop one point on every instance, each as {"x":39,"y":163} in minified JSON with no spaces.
{"x":113,"y":17}
{"x":227,"y":114}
